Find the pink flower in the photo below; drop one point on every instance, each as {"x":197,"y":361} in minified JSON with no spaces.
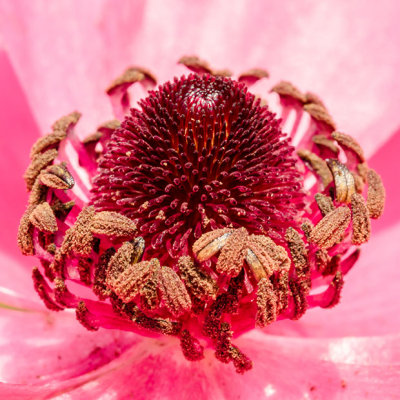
{"x":344,"y":52}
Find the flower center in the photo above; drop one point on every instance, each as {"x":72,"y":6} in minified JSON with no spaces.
{"x":202,"y":222}
{"x":201,"y":154}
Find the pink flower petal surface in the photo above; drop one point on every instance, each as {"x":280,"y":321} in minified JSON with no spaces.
{"x":349,"y":368}
{"x":344,"y":51}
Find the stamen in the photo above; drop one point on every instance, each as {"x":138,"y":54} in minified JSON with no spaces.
{"x":110,"y":223}
{"x":299,"y":290}
{"x":287,"y":89}
{"x":131,"y":278}
{"x":83,"y":316}
{"x":148,"y":292}
{"x":79,"y":238}
{"x":66,"y":122}
{"x":333,"y":293}
{"x":282,"y":290}
{"x":318,"y":165}
{"x":361,"y":221}
{"x":57,"y":177}
{"x":314,"y":99}
{"x":43,"y":218}
{"x":320,"y":114}
{"x":60,"y":131}
{"x":323,"y":141}
{"x":344,"y":181}
{"x":376,"y":194}
{"x":25,"y":234}
{"x":348,"y":142}
{"x":298,"y":252}
{"x":197,"y":283}
{"x":325,"y":203}
{"x":191,"y":347}
{"x":331,"y":228}
{"x":130,"y":76}
{"x":230,"y":261}
{"x":210,"y":243}
{"x":44,"y":290}
{"x":174,"y":293}
{"x":277,"y":253}
{"x":195,"y":64}
{"x":39,"y":162}
{"x":253,"y":75}
{"x":266,"y":303}
{"x":46,"y":141}
{"x":99,"y":286}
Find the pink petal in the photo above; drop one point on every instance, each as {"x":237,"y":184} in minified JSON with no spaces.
{"x":19,"y":131}
{"x":38,"y":347}
{"x":345,"y":51}
{"x":285,"y":368}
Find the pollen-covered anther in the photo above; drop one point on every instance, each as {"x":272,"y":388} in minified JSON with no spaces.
{"x":266,"y":303}
{"x":130,"y":76}
{"x":25,"y":233}
{"x":288,"y":90}
{"x":318,"y":165}
{"x":57,"y":177}
{"x":174,"y":293}
{"x":211,"y":243}
{"x":198,"y":284}
{"x":344,"y":181}
{"x":323,"y":141}
{"x":330,"y":230}
{"x":131,"y":277}
{"x":112,"y":224}
{"x":230,"y":260}
{"x":298,"y":252}
{"x":299,"y":289}
{"x":332,"y":294}
{"x":360,"y":218}
{"x":325,"y":203}
{"x":320,"y":114}
{"x":376,"y":194}
{"x":253,"y":75}
{"x":196,"y":64}
{"x":83,"y":315}
{"x":191,"y":347}
{"x":44,"y":291}
{"x":349,"y":143}
{"x":39,"y":162}
{"x":43,"y":218}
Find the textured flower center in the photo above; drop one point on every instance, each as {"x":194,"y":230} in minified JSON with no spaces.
{"x":201,"y":154}
{"x":198,"y":220}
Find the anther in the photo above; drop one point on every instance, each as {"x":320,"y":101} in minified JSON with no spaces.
{"x":174,"y":293}
{"x":195,"y":64}
{"x":361,"y":221}
{"x":39,"y":162}
{"x":210,"y":243}
{"x":253,"y":75}
{"x":298,"y":252}
{"x":197,"y":282}
{"x":112,"y":224}
{"x":344,"y":181}
{"x":43,"y":218}
{"x":83,"y":315}
{"x":57,"y":177}
{"x":349,"y":143}
{"x":266,"y":303}
{"x":191,"y":347}
{"x":375,"y":195}
{"x":318,"y":165}
{"x":323,"y":141}
{"x":325,"y":203}
{"x":320,"y":114}
{"x":288,"y":90}
{"x":331,"y":228}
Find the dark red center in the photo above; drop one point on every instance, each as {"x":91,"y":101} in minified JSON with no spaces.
{"x":201,"y":154}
